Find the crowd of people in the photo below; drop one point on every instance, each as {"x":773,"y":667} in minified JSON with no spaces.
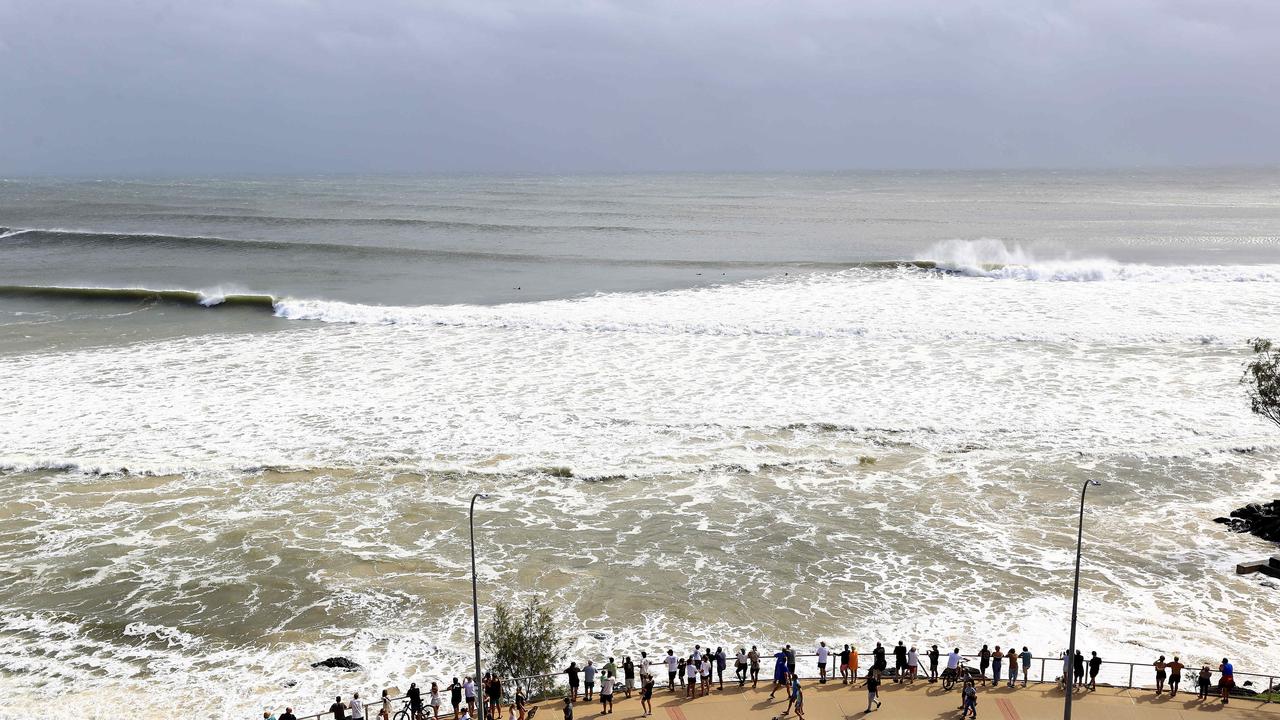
{"x":702,"y":671}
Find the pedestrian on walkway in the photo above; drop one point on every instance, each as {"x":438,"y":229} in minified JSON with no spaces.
{"x":1202,"y":683}
{"x":628,"y":675}
{"x":568,"y":709}
{"x":933,"y":663}
{"x":797,"y":697}
{"x":844,"y":665}
{"x":606,"y":694}
{"x":997,"y":660}
{"x":1160,"y":673}
{"x":791,"y":660}
{"x":740,"y":666}
{"x":645,"y":668}
{"x":899,"y":661}
{"x":1077,"y":664}
{"x":1026,"y":665}
{"x":721,"y":663}
{"x":673,"y":669}
{"x":1175,"y":676}
{"x":588,"y":681}
{"x":415,"y":701}
{"x":873,"y":688}
{"x":384,"y":713}
{"x":1226,"y":680}
{"x":969,"y":700}
{"x":690,"y":678}
{"x":521,"y":702}
{"x":1012,"y":658}
{"x":575,"y":680}
{"x":1095,"y":666}
{"x":984,"y":662}
{"x":779,"y":671}
{"x":913,"y":664}
{"x":822,"y":654}
{"x":469,"y":692}
{"x":708,"y":664}
{"x":753,"y":658}
{"x":455,"y":696}
{"x":646,"y":694}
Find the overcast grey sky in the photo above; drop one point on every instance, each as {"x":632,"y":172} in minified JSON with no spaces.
{"x":218,"y":86}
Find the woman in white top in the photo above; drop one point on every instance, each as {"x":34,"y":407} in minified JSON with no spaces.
{"x":435,"y":700}
{"x":913,"y":664}
{"x":385,"y":712}
{"x":691,"y":678}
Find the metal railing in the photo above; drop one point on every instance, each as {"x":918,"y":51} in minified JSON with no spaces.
{"x":1113,"y":673}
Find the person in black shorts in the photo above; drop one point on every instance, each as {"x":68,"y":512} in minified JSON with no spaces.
{"x":415,"y":701}
{"x":984,"y":662}
{"x":899,"y":661}
{"x":880,"y":664}
{"x":455,"y":697}
{"x":933,"y":663}
{"x":646,"y":694}
{"x":1095,"y":664}
{"x":753,"y":658}
{"x":572,"y":672}
{"x":791,"y":660}
{"x":844,"y":664}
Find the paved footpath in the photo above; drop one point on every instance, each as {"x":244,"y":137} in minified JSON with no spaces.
{"x":921,"y":700}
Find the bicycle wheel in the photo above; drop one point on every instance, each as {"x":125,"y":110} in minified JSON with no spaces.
{"x":948,"y":682}
{"x":401,"y":714}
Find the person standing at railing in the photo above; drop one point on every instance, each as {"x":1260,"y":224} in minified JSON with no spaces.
{"x":853,"y":663}
{"x":520,"y":702}
{"x":933,"y":663}
{"x":844,"y":665}
{"x":469,"y":692}
{"x":740,"y":667}
{"x":606,"y":693}
{"x":899,"y":661}
{"x":673,"y":669}
{"x":495,"y":696}
{"x":913,"y":664}
{"x":879,"y":663}
{"x":1226,"y":680}
{"x":433,"y":701}
{"x":690,"y":678}
{"x":997,"y":660}
{"x":588,"y":680}
{"x":1077,"y":664}
{"x":645,"y":665}
{"x":1175,"y":676}
{"x":1025,"y":655}
{"x":822,"y":653}
{"x":984,"y":662}
{"x":628,"y":675}
{"x":791,"y":660}
{"x":385,"y":712}
{"x":287,"y":715}
{"x":646,"y":694}
{"x":753,"y":659}
{"x":721,"y":662}
{"x":338,"y":710}
{"x":1160,"y":673}
{"x":708,"y":664}
{"x":455,"y":696}
{"x":1095,"y":666}
{"x":1012,"y":658}
{"x":1202,"y":682}
{"x":357,"y":707}
{"x":572,"y":673}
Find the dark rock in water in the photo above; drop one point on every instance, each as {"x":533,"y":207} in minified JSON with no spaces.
{"x":1260,"y":519}
{"x":290,"y":683}
{"x":598,"y":635}
{"x":340,"y":663}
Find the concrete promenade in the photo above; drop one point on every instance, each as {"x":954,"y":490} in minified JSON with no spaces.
{"x":920,"y":701}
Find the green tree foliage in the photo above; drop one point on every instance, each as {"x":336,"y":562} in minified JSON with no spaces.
{"x":1262,"y":377}
{"x":522,"y":641}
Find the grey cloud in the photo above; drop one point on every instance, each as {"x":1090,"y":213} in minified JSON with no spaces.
{"x":594,"y":85}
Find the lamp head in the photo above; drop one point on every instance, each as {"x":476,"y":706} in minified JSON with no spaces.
{"x":1094,"y":483}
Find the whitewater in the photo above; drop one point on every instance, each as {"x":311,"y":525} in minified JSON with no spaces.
{"x":221,"y":462}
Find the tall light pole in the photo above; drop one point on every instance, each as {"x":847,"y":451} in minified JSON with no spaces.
{"x":475,"y":607}
{"x":1075,"y":600}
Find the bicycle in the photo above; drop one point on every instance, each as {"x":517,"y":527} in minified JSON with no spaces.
{"x":950,"y":676}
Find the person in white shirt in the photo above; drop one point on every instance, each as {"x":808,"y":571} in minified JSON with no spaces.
{"x":469,"y":692}
{"x":953,"y":661}
{"x":691,"y":678}
{"x":644,"y":664}
{"x":913,"y":664}
{"x":606,"y":694}
{"x":706,"y":674}
{"x":672,"y":663}
{"x":822,"y":661}
{"x":357,"y":707}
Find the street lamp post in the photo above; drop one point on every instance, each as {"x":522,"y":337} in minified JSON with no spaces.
{"x":475,"y":607}
{"x":1075,"y":599}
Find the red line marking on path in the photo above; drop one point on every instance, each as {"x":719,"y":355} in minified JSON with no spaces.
{"x":1006,"y":709}
{"x":675,"y":713}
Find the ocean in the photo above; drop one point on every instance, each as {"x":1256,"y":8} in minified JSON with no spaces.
{"x":242,"y":419}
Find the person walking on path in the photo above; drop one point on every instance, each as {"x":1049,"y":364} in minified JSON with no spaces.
{"x":873,"y":688}
{"x":997,"y":660}
{"x":1175,"y":676}
{"x":1095,"y":666}
{"x":779,"y":671}
{"x":646,"y":694}
{"x":740,"y":666}
{"x":1025,"y":655}
{"x":822,"y":654}
{"x":1077,"y":664}
{"x":797,"y":697}
{"x":753,"y":658}
{"x":1160,"y":666}
{"x":673,"y":669}
{"x":984,"y":662}
{"x":844,"y":665}
{"x":969,"y":700}
{"x":568,"y":709}
{"x":1202,"y":683}
{"x":933,"y":663}
{"x":1226,"y":680}
{"x":899,"y":661}
{"x":1012,"y":657}
{"x":913,"y":665}
{"x":721,"y":662}
{"x":521,"y":703}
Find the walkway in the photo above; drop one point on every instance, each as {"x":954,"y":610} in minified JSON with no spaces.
{"x":922,"y":701}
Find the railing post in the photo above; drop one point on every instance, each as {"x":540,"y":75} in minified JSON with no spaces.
{"x":1271,"y":683}
{"x":1130,"y":685}
{"x":1041,"y":669}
